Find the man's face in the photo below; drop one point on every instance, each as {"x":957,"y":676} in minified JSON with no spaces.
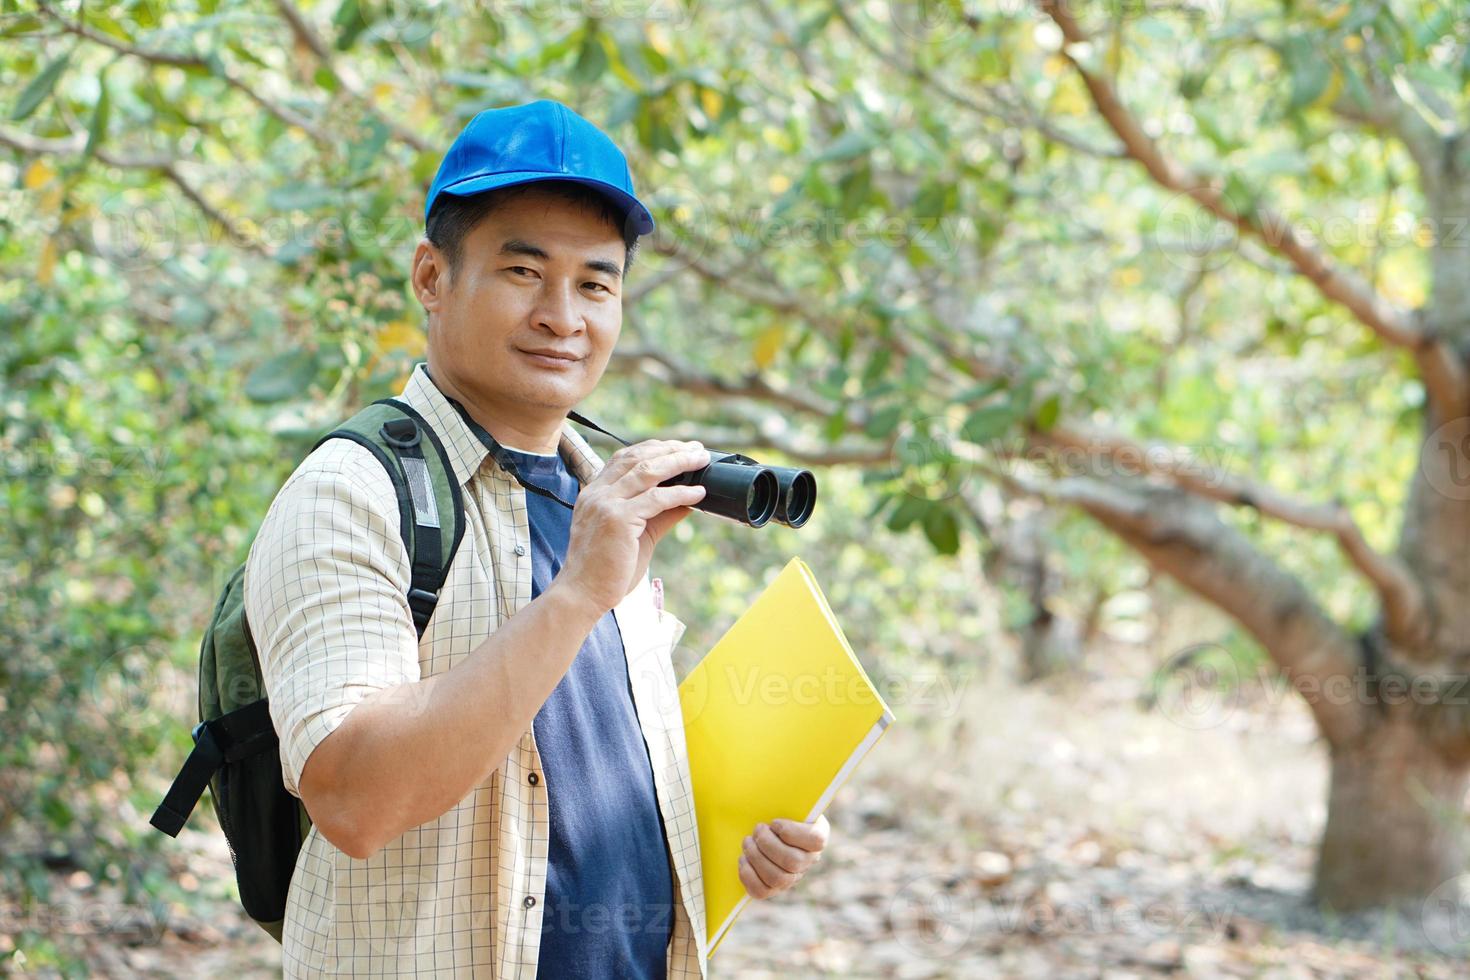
{"x":537,"y":274}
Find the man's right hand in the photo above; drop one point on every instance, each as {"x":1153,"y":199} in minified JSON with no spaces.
{"x":622,"y":514}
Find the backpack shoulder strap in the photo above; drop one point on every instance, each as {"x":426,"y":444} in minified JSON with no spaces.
{"x":430,"y":501}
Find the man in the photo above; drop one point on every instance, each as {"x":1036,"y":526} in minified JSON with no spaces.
{"x":510,"y":792}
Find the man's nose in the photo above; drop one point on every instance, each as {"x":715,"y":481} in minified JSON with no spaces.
{"x":557,"y":308}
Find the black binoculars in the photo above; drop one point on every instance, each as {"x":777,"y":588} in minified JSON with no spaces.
{"x":743,"y":490}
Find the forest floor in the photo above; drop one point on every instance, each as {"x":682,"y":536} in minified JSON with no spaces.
{"x":1058,"y":830}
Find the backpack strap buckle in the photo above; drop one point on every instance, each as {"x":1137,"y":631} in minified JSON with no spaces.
{"x":422,"y":602}
{"x":401,"y":433}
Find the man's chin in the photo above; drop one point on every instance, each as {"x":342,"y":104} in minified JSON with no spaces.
{"x":557,"y":391}
{"x":558,"y":398}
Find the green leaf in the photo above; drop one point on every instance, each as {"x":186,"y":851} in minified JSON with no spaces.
{"x":556,"y":50}
{"x":909,"y":510}
{"x":988,"y":422}
{"x":591,"y":60}
{"x":624,"y":107}
{"x":936,"y":198}
{"x":653,"y":129}
{"x":982,"y":390}
{"x":876,"y":366}
{"x":366,"y":151}
{"x":299,"y":197}
{"x":350,"y":21}
{"x":35,"y":93}
{"x":15,"y":24}
{"x":97,"y":130}
{"x":1048,"y":413}
{"x":1241,"y":196}
{"x":1356,"y":90}
{"x":1204,"y":118}
{"x":655,"y":61}
{"x":245,"y":54}
{"x":855,"y":188}
{"x":625,"y":61}
{"x":813,"y":25}
{"x":1310,"y":71}
{"x":191,"y":312}
{"x":282,"y":376}
{"x":850,"y":144}
{"x":884,"y":421}
{"x":942,"y":529}
{"x":835,"y":425}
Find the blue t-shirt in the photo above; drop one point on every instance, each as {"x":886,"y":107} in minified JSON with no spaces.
{"x":609,"y":896}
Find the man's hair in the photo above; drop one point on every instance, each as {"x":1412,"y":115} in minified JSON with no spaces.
{"x":453,"y":217}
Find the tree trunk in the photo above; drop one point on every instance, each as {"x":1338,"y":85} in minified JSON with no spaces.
{"x":1395,"y":819}
{"x":1050,"y":645}
{"x":1396,"y":810}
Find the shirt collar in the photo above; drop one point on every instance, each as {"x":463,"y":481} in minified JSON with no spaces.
{"x":466,"y":452}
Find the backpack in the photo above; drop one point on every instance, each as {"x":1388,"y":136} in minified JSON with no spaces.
{"x":236,"y":750}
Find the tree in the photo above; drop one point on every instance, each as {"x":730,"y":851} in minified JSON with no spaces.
{"x":1389,"y":696}
{"x":1390,"y":701}
{"x":986,"y":258}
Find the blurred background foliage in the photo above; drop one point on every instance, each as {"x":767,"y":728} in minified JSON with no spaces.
{"x":209,"y":208}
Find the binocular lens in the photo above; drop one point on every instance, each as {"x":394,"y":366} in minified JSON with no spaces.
{"x":798,"y":495}
{"x":741,"y":489}
{"x":763,"y":498}
{"x":748,"y":494}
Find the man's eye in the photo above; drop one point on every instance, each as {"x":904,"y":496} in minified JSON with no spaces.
{"x":521,"y":268}
{"x":599,"y":286}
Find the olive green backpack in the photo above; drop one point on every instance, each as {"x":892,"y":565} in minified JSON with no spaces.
{"x":236,"y":750}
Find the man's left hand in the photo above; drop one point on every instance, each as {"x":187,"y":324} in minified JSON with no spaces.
{"x":777,"y":855}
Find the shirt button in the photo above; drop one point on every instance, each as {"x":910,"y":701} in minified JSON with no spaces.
{"x":520,"y":549}
{"x":533,"y":779}
{"x":530,"y":901}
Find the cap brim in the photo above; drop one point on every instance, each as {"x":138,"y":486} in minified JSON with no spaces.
{"x":635,"y":215}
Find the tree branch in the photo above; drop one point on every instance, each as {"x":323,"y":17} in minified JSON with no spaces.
{"x":754,"y":388}
{"x":1387,"y":112}
{"x":809,"y":310}
{"x":215,"y":216}
{"x":166,"y":167}
{"x":308,"y":38}
{"x":839,"y":455}
{"x":1181,"y":536}
{"x":178,"y":60}
{"x":669,"y":370}
{"x":1405,"y":611}
{"x":1444,"y":377}
{"x":1021,"y":117}
{"x":1379,"y":107}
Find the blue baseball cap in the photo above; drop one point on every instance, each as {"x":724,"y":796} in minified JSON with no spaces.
{"x":541,"y":140}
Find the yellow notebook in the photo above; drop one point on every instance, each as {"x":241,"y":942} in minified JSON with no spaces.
{"x":777,"y":716}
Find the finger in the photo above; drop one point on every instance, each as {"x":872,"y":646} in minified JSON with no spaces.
{"x":653,"y":470}
{"x":656,"y":500}
{"x":778,"y":852}
{"x":807,"y":836}
{"x":752,"y":881}
{"x":774,"y":877}
{"x":626,"y":458}
{"x":661,"y":524}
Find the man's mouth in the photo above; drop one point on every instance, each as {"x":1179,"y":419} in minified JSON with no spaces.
{"x":552,"y":358}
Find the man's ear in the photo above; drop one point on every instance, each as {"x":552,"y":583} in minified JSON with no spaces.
{"x":430,"y":275}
